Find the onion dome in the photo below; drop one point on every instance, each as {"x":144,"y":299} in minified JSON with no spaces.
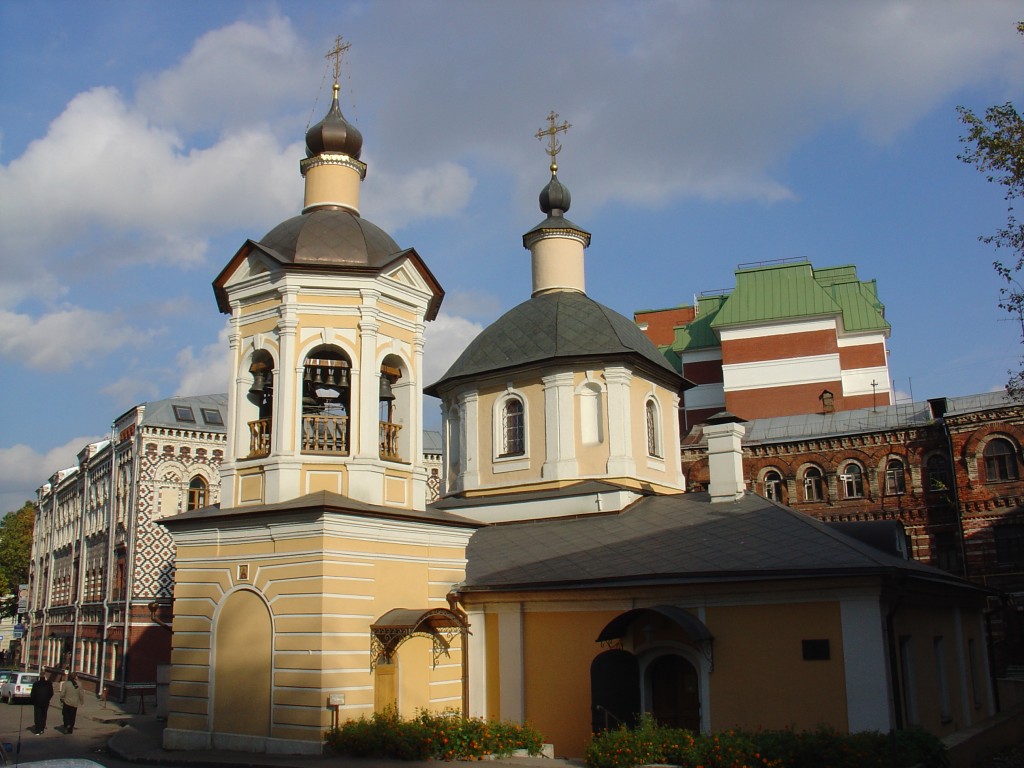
{"x":554,"y":201}
{"x":555,"y":197}
{"x":334,"y":134}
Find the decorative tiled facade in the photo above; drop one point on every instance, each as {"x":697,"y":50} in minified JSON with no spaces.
{"x":102,"y":571}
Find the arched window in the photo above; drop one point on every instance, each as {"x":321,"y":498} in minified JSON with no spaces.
{"x":197,"y":489}
{"x":938,"y":473}
{"x":772,"y":485}
{"x":653,"y":429}
{"x":813,"y":486}
{"x":895,"y":478}
{"x":513,"y":428}
{"x":1000,"y":461}
{"x":852,"y":478}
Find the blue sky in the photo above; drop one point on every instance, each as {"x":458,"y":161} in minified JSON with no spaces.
{"x":141,"y":144}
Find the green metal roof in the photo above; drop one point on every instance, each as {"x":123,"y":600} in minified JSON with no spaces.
{"x":698,"y":333}
{"x":776,"y":292}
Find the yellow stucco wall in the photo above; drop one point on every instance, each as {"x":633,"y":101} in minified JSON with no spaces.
{"x":746,"y":672}
{"x":559,"y":648}
{"x":323,"y":593}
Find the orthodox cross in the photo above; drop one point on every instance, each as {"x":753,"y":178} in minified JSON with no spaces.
{"x":339,"y":50}
{"x":552,"y":132}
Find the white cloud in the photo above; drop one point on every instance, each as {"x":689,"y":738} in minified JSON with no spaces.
{"x":61,"y":339}
{"x":444,"y":340}
{"x":397,"y":199}
{"x":23,"y":470}
{"x":207,"y":372}
{"x":230,"y":76}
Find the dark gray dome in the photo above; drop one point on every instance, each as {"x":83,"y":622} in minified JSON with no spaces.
{"x":558,"y":326}
{"x":334,"y":134}
{"x":331,"y":236}
{"x":555,"y":198}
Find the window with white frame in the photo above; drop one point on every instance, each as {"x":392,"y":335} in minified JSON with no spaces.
{"x":513,"y":428}
{"x":852,"y":479}
{"x":895,"y":478}
{"x":772,"y":485}
{"x":813,"y":484}
{"x":653,"y":429}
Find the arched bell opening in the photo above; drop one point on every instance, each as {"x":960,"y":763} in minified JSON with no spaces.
{"x":326,"y":399}
{"x":261,"y":399}
{"x":394,"y":407}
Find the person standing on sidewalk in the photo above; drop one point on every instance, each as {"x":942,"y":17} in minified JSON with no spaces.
{"x":71,"y":698}
{"x":42,"y":692}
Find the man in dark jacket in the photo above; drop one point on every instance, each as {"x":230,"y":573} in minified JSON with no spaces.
{"x":42,"y":692}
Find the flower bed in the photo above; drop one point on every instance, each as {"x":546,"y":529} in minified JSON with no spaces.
{"x":824,"y":748}
{"x":431,"y":736}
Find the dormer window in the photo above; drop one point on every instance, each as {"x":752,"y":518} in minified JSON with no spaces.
{"x":184,"y":413}
{"x":828,"y":401}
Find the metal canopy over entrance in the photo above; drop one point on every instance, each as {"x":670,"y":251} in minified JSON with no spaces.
{"x":695,"y":629}
{"x":399,"y":624}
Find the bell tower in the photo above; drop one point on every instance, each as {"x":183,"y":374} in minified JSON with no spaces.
{"x":327,"y":319}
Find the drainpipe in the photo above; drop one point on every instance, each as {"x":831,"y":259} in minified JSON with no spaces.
{"x":111,"y":517}
{"x":80,"y":569}
{"x":938,"y":407}
{"x":454,"y":598}
{"x":129,"y":545}
{"x":894,"y":667}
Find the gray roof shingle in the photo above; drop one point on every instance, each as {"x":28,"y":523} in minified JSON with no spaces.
{"x":672,"y":539}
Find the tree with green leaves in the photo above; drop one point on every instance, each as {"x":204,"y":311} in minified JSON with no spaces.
{"x":15,"y":554}
{"x":995,"y":146}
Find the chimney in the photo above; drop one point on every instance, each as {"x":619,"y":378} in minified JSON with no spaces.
{"x":724,"y":432}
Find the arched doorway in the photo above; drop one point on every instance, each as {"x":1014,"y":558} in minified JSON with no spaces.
{"x":614,"y":690}
{"x":675,"y":692}
{"x":243,"y":649}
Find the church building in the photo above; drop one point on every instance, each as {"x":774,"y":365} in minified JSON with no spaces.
{"x":564,"y":577}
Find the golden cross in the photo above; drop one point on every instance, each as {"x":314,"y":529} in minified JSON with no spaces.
{"x":552,"y":132}
{"x":339,"y":50}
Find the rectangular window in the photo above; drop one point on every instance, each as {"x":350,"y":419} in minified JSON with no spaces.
{"x":939,"y":646}
{"x":972,"y":661}
{"x":907,"y":678}
{"x":1009,"y":544}
{"x":184,"y":413}
{"x":212,"y":416}
{"x":816,"y":650}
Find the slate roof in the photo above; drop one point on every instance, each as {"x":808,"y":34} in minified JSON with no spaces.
{"x":321,"y":501}
{"x":556,"y":327}
{"x":882,"y":418}
{"x":160,"y":413}
{"x":674,"y":539}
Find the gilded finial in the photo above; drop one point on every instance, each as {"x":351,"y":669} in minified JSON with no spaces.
{"x":551,"y":132}
{"x":336,"y":53}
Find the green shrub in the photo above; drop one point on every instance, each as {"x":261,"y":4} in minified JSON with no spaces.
{"x":431,"y":736}
{"x":823,"y":748}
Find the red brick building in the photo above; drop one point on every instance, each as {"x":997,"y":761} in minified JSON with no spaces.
{"x":788,"y":339}
{"x":950,"y":470}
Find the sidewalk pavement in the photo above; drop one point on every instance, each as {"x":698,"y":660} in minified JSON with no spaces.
{"x":139,"y":739}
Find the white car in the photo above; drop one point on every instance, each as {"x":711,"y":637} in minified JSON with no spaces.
{"x":19,"y":686}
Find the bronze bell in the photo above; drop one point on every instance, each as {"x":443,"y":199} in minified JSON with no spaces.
{"x":385,"y":389}
{"x":259,"y":383}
